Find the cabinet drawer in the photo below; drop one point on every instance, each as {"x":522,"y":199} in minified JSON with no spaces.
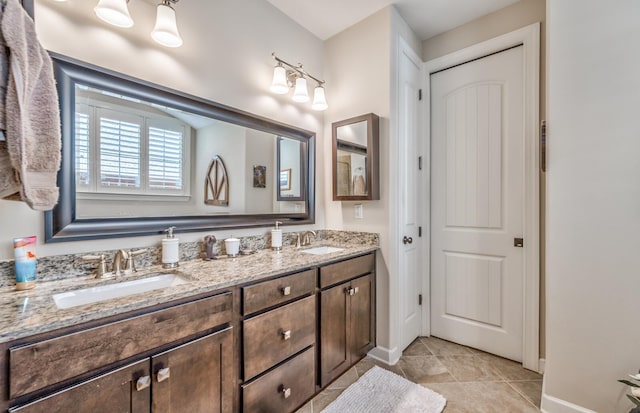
{"x":277,"y":334}
{"x":283,"y":389}
{"x":34,"y":366}
{"x":269,"y":293}
{"x":346,"y":270}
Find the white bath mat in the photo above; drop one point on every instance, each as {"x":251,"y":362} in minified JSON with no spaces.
{"x":380,"y":391}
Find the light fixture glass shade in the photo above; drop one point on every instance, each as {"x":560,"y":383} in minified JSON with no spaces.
{"x":114,"y":12}
{"x":279,"y":84}
{"x":300,"y":93}
{"x":319,"y":101}
{"x":165,"y":31}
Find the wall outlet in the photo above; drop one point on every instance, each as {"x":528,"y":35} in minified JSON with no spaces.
{"x":358,"y":211}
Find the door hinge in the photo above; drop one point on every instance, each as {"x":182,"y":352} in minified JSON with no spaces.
{"x":543,"y":146}
{"x":419,"y":163}
{"x":419,"y":299}
{"x":518,"y":242}
{"x":419,"y":231}
{"x":419,"y":94}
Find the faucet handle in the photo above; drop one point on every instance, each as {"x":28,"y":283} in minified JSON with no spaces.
{"x":298,"y":240}
{"x":131,"y":264}
{"x":102,"y":265}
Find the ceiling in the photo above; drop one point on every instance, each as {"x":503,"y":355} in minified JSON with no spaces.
{"x":427,"y":18}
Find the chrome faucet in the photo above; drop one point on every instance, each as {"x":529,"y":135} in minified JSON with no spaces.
{"x":305,"y":237}
{"x":116,"y":266}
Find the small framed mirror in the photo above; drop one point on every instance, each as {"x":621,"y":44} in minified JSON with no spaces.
{"x":356,"y":159}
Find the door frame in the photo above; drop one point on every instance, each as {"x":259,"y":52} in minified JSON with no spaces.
{"x":529,"y":37}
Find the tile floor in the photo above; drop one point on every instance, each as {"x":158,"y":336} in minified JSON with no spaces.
{"x":472,"y":381}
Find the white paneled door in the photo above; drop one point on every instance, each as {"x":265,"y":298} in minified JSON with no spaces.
{"x":409,"y":259}
{"x":477,"y":210}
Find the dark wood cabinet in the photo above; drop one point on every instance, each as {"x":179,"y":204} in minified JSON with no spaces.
{"x":347,"y":329}
{"x":183,"y":361}
{"x":195,"y":377}
{"x":124,"y":390}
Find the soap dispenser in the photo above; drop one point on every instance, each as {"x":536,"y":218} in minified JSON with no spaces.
{"x":170,"y":249}
{"x":276,"y":237}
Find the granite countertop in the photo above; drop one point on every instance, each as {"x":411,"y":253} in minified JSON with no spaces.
{"x":25,"y":313}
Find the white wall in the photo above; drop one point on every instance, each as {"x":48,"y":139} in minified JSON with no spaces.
{"x":358,"y":71}
{"x":226,"y":57}
{"x":593,"y":203}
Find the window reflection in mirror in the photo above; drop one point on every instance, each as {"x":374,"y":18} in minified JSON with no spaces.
{"x":137,"y":159}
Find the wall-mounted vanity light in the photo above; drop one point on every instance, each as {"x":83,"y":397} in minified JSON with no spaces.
{"x":286,"y":77}
{"x":165,"y":32}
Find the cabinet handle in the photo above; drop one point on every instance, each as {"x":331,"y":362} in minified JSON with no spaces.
{"x":351,"y":291}
{"x":286,"y":290}
{"x":286,"y":392}
{"x":286,"y":335}
{"x":163,"y":374}
{"x":355,"y":290}
{"x":143,"y":382}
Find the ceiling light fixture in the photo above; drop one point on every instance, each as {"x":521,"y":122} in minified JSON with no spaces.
{"x":165,"y":31}
{"x":286,"y":77}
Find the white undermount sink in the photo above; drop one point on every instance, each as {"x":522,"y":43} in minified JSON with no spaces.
{"x":321,"y":250}
{"x":117,"y":290}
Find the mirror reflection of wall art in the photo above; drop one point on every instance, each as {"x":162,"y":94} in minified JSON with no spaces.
{"x":259,"y":176}
{"x":216,"y":183}
{"x":285,"y":179}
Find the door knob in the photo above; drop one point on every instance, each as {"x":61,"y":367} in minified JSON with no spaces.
{"x":407,"y":240}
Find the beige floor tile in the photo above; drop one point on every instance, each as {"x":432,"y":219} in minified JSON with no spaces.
{"x":424,"y":369}
{"x":323,"y":399}
{"x":444,"y":348}
{"x":417,"y":348}
{"x":470,"y":368}
{"x":344,"y":381}
{"x":493,"y":397}
{"x":455,"y":395}
{"x":366,"y":363}
{"x":532,"y":390}
{"x":306,"y":408}
{"x":510,"y":370}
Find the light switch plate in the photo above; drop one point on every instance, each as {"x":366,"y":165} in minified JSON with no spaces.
{"x":358,"y":211}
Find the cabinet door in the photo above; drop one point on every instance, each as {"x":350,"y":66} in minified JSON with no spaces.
{"x":114,"y":392}
{"x":196,"y":377}
{"x":334,"y":322}
{"x":362,"y":337}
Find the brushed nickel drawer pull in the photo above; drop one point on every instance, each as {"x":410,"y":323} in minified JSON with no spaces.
{"x":286,"y":392}
{"x":163,"y":374}
{"x":286,"y":335}
{"x":143,"y":382}
{"x":286,"y":290}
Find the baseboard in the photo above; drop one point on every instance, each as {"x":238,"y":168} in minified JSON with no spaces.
{"x":541,"y":365}
{"x":385,"y":355}
{"x":550,"y":404}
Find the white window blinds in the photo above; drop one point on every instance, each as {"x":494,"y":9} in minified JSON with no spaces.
{"x":120,"y":153}
{"x":165,"y":158}
{"x":125,"y":151}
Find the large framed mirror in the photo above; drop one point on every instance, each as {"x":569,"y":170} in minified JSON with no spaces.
{"x":137,"y":158}
{"x":356,"y":158}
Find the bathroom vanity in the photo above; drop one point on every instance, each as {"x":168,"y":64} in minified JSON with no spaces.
{"x":262,"y":333}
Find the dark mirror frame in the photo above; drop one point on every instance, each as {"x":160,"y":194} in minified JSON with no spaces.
{"x":372,"y":155}
{"x":61,"y":223}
